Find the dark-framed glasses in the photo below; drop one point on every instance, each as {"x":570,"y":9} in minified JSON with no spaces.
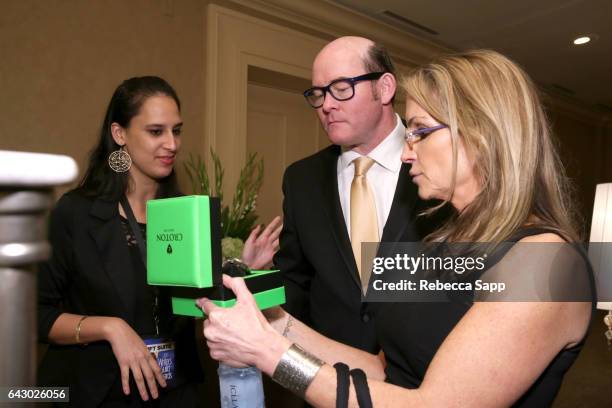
{"x":416,"y":135}
{"x":342,"y":89}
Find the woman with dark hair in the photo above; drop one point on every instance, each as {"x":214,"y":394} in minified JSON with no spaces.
{"x":95,"y":307}
{"x":101,"y":180}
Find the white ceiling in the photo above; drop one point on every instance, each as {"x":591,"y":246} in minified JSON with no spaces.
{"x":537,"y":34}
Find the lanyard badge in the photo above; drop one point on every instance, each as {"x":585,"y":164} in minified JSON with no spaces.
{"x":163,"y":351}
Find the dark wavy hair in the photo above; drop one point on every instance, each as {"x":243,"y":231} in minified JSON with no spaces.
{"x":99,"y":180}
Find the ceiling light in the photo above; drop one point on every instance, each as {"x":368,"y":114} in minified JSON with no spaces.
{"x":582,"y":40}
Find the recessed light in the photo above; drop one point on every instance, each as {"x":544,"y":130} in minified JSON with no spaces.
{"x":582,"y":40}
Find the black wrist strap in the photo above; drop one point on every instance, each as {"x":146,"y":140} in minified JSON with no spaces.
{"x":343,"y":383}
{"x":360,"y":382}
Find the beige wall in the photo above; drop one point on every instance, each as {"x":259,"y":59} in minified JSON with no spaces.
{"x":62,"y":59}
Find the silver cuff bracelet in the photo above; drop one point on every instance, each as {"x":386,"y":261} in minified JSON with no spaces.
{"x":296,"y":369}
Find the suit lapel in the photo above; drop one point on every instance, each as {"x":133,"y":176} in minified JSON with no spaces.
{"x":333,"y":209}
{"x":401,"y":215}
{"x":110,"y":242}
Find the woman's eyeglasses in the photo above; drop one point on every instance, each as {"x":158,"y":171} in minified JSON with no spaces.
{"x":416,"y":135}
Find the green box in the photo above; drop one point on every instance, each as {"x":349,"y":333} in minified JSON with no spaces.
{"x":266,"y":286}
{"x":184,"y":242}
{"x":184,"y":253}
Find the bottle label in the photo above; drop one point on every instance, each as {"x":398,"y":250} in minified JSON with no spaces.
{"x":240,"y":387}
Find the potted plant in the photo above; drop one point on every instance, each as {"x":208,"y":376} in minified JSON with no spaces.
{"x":237,"y":219}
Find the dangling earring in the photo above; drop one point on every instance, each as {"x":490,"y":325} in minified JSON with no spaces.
{"x":608,"y":333}
{"x":120,"y":161}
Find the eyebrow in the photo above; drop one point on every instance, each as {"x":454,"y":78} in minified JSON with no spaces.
{"x":159,"y":125}
{"x":412,"y":119}
{"x":333,"y":80}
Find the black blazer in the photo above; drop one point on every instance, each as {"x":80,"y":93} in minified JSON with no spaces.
{"x":90,"y":272}
{"x":321,"y":278}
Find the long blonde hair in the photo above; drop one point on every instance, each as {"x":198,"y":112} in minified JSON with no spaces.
{"x":490,"y":103}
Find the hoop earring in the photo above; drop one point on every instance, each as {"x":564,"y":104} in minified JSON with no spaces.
{"x":120,"y":161}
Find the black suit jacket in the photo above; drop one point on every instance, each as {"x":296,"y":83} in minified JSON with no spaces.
{"x":91,"y":273}
{"x":321,"y":278}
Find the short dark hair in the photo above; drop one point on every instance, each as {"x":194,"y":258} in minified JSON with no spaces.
{"x":99,"y":180}
{"x":377,"y":59}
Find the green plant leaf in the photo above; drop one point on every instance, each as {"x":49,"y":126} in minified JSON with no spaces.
{"x":238,"y":219}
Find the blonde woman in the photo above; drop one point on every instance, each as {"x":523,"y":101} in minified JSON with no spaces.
{"x":477,"y":138}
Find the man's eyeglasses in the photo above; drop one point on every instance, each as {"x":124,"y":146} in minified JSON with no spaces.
{"x":341,"y":89}
{"x":416,"y":135}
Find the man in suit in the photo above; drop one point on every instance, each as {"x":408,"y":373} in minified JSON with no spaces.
{"x":353,"y":91}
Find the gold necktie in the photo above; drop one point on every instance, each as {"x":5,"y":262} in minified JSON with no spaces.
{"x":364,"y":222}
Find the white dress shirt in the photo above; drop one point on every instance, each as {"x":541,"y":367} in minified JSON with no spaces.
{"x":382,"y":176}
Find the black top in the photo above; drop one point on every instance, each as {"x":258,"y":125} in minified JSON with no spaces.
{"x":411,"y":333}
{"x":94,"y":271}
